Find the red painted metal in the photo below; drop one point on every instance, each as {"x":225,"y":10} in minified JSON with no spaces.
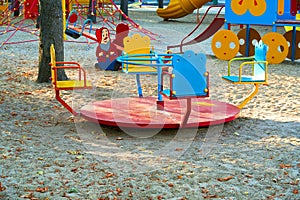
{"x":216,"y":24}
{"x":294,"y":8}
{"x":31,"y":9}
{"x":142,"y":113}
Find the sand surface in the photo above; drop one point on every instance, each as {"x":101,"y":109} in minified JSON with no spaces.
{"x":46,"y":153}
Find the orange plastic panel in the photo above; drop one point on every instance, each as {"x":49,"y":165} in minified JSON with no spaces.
{"x":280,"y":9}
{"x":225,"y":44}
{"x":239,"y":7}
{"x":277,"y":47}
{"x":255,"y":7}
{"x":289,"y":37}
{"x":254,"y":35}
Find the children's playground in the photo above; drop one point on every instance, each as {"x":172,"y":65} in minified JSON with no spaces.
{"x":195,"y":100}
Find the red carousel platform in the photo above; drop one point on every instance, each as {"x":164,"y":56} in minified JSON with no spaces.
{"x":142,"y":113}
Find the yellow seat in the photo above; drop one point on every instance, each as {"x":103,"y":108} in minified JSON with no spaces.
{"x":79,"y":83}
{"x":75,"y":84}
{"x":137,"y":45}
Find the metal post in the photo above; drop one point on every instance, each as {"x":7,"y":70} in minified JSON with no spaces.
{"x":215,"y":2}
{"x":124,"y":8}
{"x":160,"y":3}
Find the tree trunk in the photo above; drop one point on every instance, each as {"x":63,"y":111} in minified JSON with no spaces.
{"x":51,"y":32}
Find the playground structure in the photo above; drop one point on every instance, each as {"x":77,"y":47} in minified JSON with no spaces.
{"x":183,"y":102}
{"x":106,"y":61}
{"x":12,"y":20}
{"x":180,"y":8}
{"x":279,"y":13}
{"x":226,"y":44}
{"x":105,"y":12}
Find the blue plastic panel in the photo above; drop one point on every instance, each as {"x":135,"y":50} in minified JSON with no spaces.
{"x":189,"y":71}
{"x":249,"y":79}
{"x":267,"y":18}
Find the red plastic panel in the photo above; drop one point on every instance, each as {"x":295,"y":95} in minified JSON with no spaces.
{"x":293,"y":10}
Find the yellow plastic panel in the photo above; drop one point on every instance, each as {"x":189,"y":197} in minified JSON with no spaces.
{"x":137,"y":45}
{"x":72,"y":84}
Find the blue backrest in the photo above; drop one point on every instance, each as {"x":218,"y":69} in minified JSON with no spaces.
{"x":189,"y":70}
{"x":260,"y":55}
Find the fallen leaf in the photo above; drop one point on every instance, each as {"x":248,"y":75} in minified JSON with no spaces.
{"x":2,"y":188}
{"x":74,"y":170}
{"x":90,"y":184}
{"x":119,"y":191}
{"x":282,"y":166}
{"x":225,"y":179}
{"x":248,"y":175}
{"x":178,"y":149}
{"x":108,"y":175}
{"x":204,"y":190}
{"x":210,"y":196}
{"x":130,"y":194}
{"x":27,"y":93}
{"x":295,"y":191}
{"x":13,"y":114}
{"x":171,"y":185}
{"x":42,"y":190}
{"x":74,"y":152}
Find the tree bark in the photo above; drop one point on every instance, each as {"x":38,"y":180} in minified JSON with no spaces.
{"x":51,"y":32}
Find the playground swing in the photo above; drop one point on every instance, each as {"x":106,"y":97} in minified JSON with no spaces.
{"x":80,"y":83}
{"x":73,"y":31}
{"x":259,"y":71}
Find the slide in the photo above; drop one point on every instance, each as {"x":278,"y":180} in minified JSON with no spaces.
{"x":180,"y":8}
{"x":209,"y":31}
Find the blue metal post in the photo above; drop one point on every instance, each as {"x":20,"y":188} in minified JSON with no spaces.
{"x":138,"y":84}
{"x":293,"y":43}
{"x":159,"y":81}
{"x":247,"y":39}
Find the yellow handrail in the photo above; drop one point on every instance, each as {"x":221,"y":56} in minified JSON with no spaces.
{"x":237,"y":59}
{"x":253,"y":63}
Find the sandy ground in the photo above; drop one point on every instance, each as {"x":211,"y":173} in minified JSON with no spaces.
{"x":46,"y":153}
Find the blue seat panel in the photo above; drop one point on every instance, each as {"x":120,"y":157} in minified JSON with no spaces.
{"x":167,"y":92}
{"x":235,"y":79}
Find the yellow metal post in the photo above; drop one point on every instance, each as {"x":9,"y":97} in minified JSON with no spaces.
{"x":251,"y":95}
{"x":64,"y":18}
